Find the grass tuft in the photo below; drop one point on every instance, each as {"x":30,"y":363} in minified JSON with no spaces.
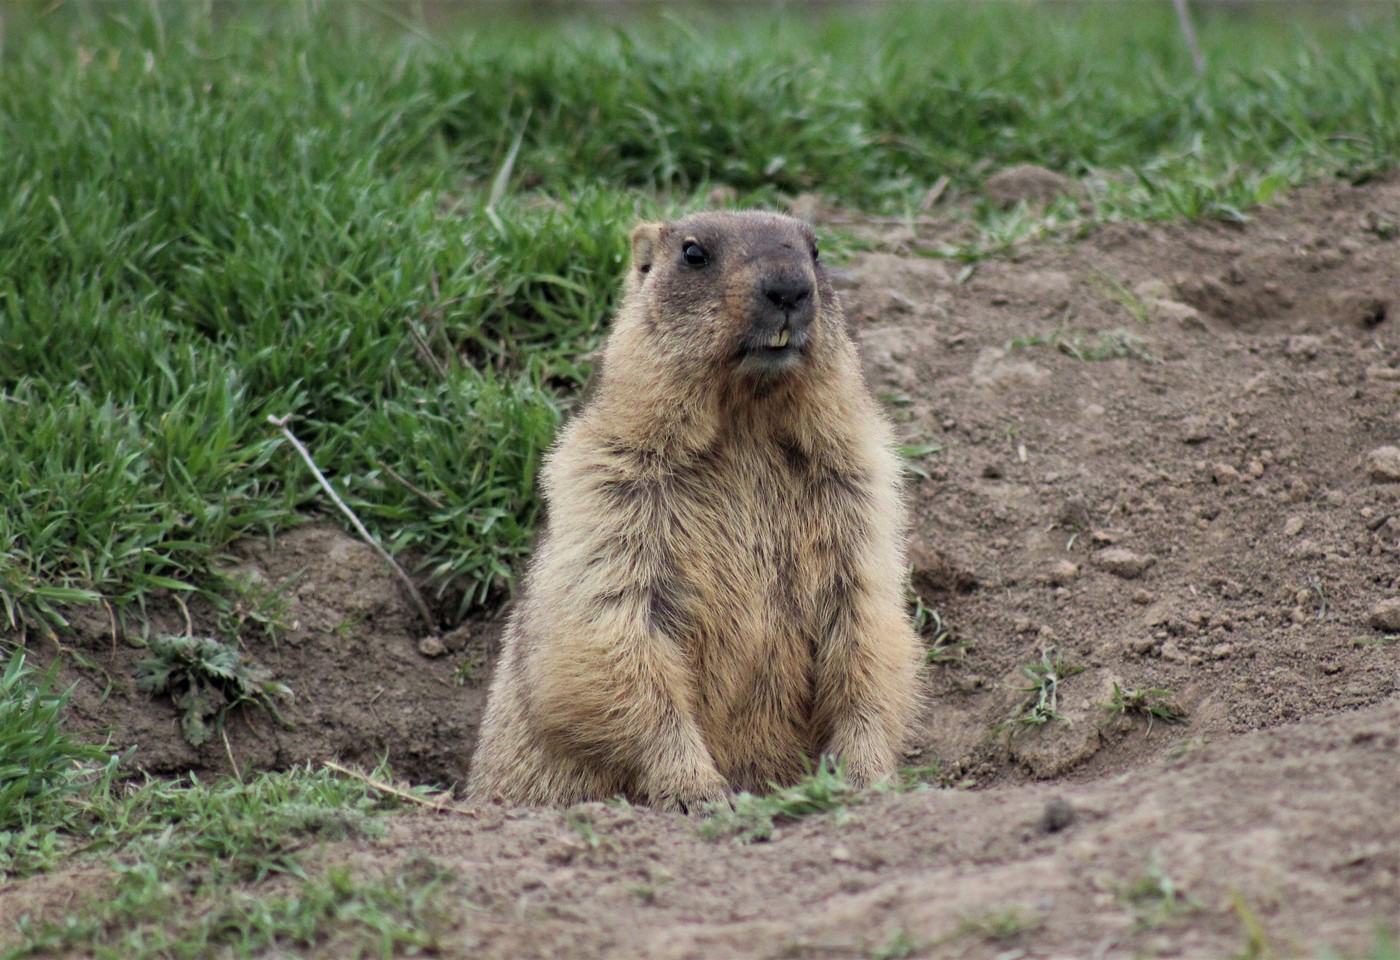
{"x":1043,"y":704}
{"x":1154,"y":703}
{"x":754,"y":818}
{"x":43,"y":769}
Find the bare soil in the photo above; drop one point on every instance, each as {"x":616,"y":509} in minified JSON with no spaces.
{"x":1165,"y":460}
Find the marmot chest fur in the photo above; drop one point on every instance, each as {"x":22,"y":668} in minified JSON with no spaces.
{"x":717,"y":600}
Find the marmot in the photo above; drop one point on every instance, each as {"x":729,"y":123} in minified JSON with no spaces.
{"x":717,"y":598}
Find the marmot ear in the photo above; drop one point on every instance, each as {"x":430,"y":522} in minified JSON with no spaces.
{"x":646,"y":240}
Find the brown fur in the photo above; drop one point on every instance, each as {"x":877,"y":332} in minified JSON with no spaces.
{"x":717,"y":599}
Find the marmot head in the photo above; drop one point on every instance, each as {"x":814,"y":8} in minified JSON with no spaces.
{"x":743,"y":292}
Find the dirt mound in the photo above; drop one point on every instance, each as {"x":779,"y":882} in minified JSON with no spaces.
{"x":1169,"y":486}
{"x":1161,"y":476}
{"x":343,"y":638}
{"x":1281,"y":828}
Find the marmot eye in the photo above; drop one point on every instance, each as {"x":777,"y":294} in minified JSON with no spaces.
{"x":694,"y":254}
{"x":816,"y":254}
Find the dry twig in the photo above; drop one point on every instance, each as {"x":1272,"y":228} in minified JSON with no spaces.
{"x":392,"y":790}
{"x":281,"y":424}
{"x":1188,"y":33}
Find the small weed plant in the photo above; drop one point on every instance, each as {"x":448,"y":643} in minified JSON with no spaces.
{"x":1001,"y":925}
{"x":942,"y":646}
{"x":206,"y":678}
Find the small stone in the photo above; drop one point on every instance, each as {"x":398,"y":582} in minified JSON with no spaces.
{"x":432,"y":646}
{"x":1172,"y":652}
{"x":1292,"y":526}
{"x":1383,"y":464}
{"x":1023,"y":625}
{"x":1223,"y":473}
{"x":1061,"y":572}
{"x":1142,"y":645}
{"x":563,"y":852}
{"x":1143,"y":598}
{"x":1124,"y":563}
{"x":1222,"y":651}
{"x":1026,"y":183}
{"x":1386,"y":615}
{"x":1171,"y":311}
{"x":841,"y":854}
{"x":1195,"y":430}
{"x":1302,"y":347}
{"x":1058,"y":814}
{"x":1306,"y":549}
{"x":1254,"y":469}
{"x":1153,"y":289}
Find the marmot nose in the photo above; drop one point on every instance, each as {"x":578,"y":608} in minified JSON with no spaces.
{"x":787,"y":293}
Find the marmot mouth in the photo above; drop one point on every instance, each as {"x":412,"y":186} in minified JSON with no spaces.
{"x":774,"y":353}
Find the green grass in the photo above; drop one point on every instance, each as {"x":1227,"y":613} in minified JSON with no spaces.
{"x":199,"y":866}
{"x":43,"y":769}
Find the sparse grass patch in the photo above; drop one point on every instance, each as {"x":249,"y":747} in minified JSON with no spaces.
{"x":1155,"y":897}
{"x":1001,"y":925}
{"x":44,"y":771}
{"x":1090,"y":348}
{"x":913,"y":453}
{"x":752,"y":818}
{"x":1257,"y":945}
{"x":1154,"y":703}
{"x":899,"y":945}
{"x":1121,"y":295}
{"x":916,"y":778}
{"x":185,"y":854}
{"x":1043,"y":704}
{"x":582,"y":824}
{"x":336,"y":913}
{"x":942,"y":646}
